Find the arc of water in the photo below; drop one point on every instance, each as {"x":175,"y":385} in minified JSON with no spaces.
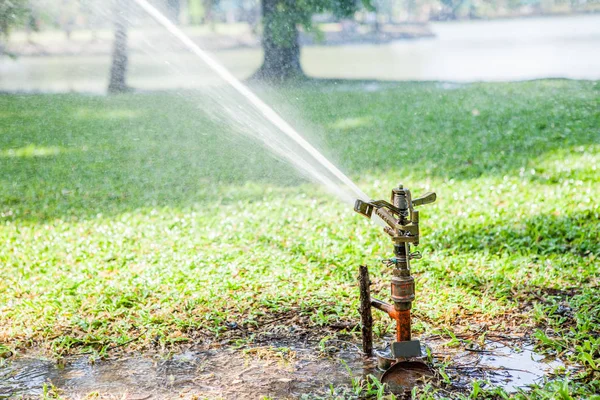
{"x":260,"y":105}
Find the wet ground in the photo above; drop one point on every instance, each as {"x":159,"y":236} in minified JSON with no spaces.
{"x":507,"y":364}
{"x":214,"y":374}
{"x":267,"y":371}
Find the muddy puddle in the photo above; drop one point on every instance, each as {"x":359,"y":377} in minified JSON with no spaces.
{"x":268,"y":371}
{"x":507,"y":365}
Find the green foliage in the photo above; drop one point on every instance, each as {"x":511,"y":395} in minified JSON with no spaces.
{"x":11,"y":13}
{"x":290,"y":13}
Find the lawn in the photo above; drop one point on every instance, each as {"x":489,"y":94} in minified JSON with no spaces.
{"x":139,"y":221}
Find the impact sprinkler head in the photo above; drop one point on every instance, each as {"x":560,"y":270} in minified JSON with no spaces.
{"x":403,"y":227}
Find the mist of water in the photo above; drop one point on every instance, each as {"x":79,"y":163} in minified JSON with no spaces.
{"x":285,"y":141}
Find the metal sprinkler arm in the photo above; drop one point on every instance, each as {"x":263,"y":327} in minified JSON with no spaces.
{"x":366,"y":207}
{"x":395,"y":216}
{"x":427,"y":198}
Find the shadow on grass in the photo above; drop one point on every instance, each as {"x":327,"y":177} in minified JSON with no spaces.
{"x":84,"y":155}
{"x":73,"y":155}
{"x":545,"y":234}
{"x":518,"y":257}
{"x":449,"y":130}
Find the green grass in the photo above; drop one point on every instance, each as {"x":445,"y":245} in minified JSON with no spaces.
{"x":138,"y":215}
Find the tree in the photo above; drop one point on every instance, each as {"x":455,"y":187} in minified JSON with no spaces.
{"x":120,"y":58}
{"x":174,"y":7}
{"x":280,"y":40}
{"x":209,"y":6}
{"x":452,"y":6}
{"x":11,"y":13}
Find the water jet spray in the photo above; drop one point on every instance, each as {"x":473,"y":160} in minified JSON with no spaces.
{"x":403,"y":228}
{"x":311,"y":162}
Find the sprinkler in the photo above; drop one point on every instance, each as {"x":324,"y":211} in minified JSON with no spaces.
{"x":403,"y":227}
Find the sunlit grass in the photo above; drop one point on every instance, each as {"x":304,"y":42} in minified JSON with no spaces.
{"x":167,"y":226}
{"x":31,"y":151}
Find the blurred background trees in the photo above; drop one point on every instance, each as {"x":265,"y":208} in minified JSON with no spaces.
{"x":280,"y":39}
{"x":117,"y":81}
{"x":281,"y":26}
{"x":69,"y":15}
{"x":12,"y":12}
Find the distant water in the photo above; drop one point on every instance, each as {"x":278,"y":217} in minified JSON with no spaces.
{"x":511,"y":49}
{"x":466,"y":51}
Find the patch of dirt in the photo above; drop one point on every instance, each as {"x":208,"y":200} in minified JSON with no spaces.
{"x":279,"y":369}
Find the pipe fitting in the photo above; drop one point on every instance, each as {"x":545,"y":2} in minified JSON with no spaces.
{"x":403,"y":291}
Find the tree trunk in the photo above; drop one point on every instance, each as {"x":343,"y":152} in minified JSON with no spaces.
{"x":174,"y":7}
{"x":281,"y":48}
{"x":208,"y":12}
{"x":118,"y":71}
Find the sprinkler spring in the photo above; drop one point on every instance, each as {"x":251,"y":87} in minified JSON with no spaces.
{"x":403,"y":228}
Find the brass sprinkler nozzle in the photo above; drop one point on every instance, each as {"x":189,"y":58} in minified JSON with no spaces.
{"x":403,"y":227}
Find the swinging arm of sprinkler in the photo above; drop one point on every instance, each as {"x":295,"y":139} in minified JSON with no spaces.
{"x":366,"y":207}
{"x":403,"y":224}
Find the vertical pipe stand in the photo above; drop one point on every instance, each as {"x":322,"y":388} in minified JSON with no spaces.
{"x":403,"y":228}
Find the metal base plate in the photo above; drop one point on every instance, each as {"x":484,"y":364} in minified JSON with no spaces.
{"x":411,"y":348}
{"x":384,"y":359}
{"x":404,"y":375}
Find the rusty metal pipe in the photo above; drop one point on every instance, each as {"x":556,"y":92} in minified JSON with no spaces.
{"x":402,"y":319}
{"x":383,"y":306}
{"x":403,"y":326}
